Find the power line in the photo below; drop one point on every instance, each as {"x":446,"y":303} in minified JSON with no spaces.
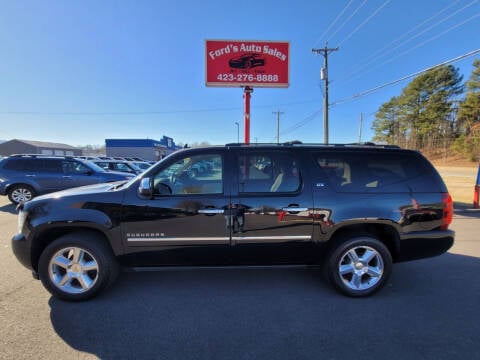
{"x":364,"y":93}
{"x":335,"y":21}
{"x":376,"y":54}
{"x":414,"y":37}
{"x":341,"y":101}
{"x":301,"y":123}
{"x":431,"y":39}
{"x":364,"y":22}
{"x":129,"y":113}
{"x":349,"y":18}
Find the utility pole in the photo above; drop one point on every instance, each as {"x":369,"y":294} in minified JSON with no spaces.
{"x":238,"y":131}
{"x":278,"y":112}
{"x":324,"y":76}
{"x":360,"y":129}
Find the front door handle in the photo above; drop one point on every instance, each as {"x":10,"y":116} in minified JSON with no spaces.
{"x":211,"y":211}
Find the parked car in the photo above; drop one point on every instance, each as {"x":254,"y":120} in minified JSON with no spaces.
{"x":476,"y":190}
{"x":86,"y":157}
{"x":118,"y":165}
{"x":353,"y":210}
{"x":143,"y":165}
{"x":22,"y":177}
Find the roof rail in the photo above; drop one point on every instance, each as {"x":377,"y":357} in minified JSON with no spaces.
{"x":299,"y":143}
{"x":287,"y":143}
{"x":43,"y":155}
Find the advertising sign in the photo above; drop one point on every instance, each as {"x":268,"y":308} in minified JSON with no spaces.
{"x":247,"y":63}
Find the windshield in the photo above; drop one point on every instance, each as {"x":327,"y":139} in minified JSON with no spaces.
{"x":91,"y":165}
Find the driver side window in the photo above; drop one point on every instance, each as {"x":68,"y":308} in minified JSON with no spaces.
{"x":198,"y":174}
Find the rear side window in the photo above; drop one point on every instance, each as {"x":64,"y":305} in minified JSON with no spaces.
{"x":379,"y":172}
{"x":19,"y":164}
{"x":268,"y":172}
{"x":52,"y":166}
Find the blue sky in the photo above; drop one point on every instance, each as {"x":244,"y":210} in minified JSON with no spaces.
{"x":78,"y":72}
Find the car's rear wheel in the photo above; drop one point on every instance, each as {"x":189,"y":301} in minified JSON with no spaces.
{"x":359,"y":266}
{"x":20,"y":193}
{"x":77,"y":266}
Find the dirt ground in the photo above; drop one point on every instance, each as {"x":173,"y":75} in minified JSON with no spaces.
{"x":459,"y":175}
{"x":460,"y":181}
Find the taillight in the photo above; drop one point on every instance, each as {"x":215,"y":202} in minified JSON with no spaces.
{"x":447,"y":211}
{"x":476,"y":192}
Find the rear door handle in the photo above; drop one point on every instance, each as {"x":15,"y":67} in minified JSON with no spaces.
{"x":30,"y":175}
{"x":294,"y":209}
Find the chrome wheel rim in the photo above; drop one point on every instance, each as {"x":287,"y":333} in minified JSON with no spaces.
{"x":361,"y":268}
{"x":21,"y":194}
{"x":73,"y":270}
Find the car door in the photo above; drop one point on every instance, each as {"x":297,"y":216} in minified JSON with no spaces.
{"x":271,"y":214}
{"x":77,"y":174}
{"x":184,"y":221}
{"x":47,"y":173}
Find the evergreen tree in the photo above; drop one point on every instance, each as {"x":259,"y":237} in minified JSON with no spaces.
{"x":385,"y":124}
{"x":423,"y":111}
{"x":468,"y":119}
{"x":469,"y":109}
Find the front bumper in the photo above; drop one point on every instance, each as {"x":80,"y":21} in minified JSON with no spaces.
{"x":419,"y":245}
{"x":21,"y":250}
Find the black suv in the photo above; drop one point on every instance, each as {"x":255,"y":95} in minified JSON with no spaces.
{"x":352,"y":209}
{"x":23,"y":177}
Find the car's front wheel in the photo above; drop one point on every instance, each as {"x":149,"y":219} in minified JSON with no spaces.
{"x":359,"y":266}
{"x":77,"y":266}
{"x":20,"y":193}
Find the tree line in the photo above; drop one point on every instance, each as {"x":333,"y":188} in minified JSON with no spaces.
{"x":436,"y":111}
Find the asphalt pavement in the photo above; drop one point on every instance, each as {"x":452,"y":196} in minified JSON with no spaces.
{"x":428,"y":310}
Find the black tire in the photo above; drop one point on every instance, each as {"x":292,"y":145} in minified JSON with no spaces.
{"x":20,"y":193}
{"x":77,"y":266}
{"x":358,"y":266}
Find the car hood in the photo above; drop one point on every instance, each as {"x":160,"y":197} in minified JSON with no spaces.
{"x":82,"y":190}
{"x":117,"y":173}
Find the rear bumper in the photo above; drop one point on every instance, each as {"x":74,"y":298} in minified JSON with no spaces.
{"x":426,"y":244}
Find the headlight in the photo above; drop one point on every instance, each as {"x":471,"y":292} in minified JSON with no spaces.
{"x":22,"y":215}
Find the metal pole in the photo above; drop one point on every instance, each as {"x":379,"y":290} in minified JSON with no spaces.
{"x":246,"y":96}
{"x":324,"y":72}
{"x":278,"y":112}
{"x":238,"y":131}
{"x":360,"y":129}
{"x":325,"y":102}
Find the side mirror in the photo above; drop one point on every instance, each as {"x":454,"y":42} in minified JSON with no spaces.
{"x":145,"y":188}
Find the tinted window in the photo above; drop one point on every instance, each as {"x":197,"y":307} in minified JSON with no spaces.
{"x":198,"y":174}
{"x":74,"y":167}
{"x":52,"y":166}
{"x":378,"y":172}
{"x":19,"y":164}
{"x":121,"y":167}
{"x":268,"y":173}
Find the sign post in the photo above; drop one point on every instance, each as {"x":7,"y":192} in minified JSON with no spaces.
{"x":246,"y":96}
{"x":247,"y":64}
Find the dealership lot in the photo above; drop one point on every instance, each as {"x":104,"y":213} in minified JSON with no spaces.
{"x":429,"y":309}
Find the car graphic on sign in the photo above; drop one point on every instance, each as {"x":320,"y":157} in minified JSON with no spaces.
{"x":246,"y":61}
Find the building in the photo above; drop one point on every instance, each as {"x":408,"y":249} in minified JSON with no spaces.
{"x":17,"y":146}
{"x":148,"y":149}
